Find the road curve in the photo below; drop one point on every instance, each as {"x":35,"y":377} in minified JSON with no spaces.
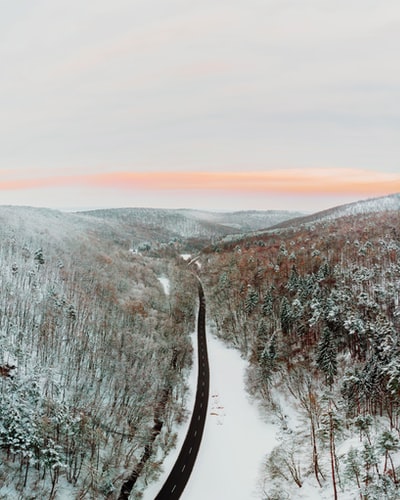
{"x":179,"y":475}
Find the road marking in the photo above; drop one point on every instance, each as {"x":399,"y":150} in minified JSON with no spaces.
{"x":174,"y":488}
{"x":198,"y":417}
{"x":183,"y":468}
{"x":190,"y":450}
{"x":195,"y":433}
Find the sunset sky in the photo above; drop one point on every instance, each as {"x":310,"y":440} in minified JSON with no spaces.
{"x":229,"y":105}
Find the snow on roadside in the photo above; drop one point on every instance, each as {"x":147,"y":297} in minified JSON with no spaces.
{"x":152,"y":489}
{"x":235,"y":439}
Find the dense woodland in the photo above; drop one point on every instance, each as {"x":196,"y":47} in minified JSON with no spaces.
{"x":315,"y":308}
{"x":94,"y":355}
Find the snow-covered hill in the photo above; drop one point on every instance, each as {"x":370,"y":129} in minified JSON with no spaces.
{"x":371,"y":205}
{"x":184,"y":223}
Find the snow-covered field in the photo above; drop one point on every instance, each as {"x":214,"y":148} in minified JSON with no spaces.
{"x":235,"y":438}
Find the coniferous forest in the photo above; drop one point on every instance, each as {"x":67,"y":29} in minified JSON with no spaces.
{"x":94,"y":355}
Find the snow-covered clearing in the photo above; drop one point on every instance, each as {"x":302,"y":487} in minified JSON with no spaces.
{"x":235,"y":438}
{"x":165,"y":284}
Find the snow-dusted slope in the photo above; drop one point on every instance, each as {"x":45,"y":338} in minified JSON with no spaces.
{"x":373,"y":205}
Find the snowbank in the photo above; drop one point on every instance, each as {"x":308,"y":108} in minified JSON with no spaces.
{"x":235,"y":439}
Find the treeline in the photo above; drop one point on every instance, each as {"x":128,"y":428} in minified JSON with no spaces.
{"x":95,"y":345}
{"x":317,"y":312}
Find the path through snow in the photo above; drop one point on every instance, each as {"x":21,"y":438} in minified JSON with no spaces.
{"x":235,"y":439}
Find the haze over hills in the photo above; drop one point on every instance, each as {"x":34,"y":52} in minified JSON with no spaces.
{"x":167,"y":224}
{"x":100,"y":353}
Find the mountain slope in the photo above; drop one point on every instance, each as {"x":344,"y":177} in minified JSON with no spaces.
{"x":372,"y":205}
{"x":91,"y":352}
{"x":314,"y":305}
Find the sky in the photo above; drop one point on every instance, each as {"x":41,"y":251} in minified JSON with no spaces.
{"x":239,"y":104}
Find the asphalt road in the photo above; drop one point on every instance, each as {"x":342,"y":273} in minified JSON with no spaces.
{"x":179,"y":475}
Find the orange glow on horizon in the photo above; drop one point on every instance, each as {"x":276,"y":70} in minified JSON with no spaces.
{"x":291,"y":181}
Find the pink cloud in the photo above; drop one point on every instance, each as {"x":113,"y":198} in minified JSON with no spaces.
{"x":292,"y":181}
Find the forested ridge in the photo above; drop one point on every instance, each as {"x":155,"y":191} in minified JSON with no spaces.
{"x":94,"y":355}
{"x":315,"y":308}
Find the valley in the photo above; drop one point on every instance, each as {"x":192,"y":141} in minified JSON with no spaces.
{"x":96,"y":314}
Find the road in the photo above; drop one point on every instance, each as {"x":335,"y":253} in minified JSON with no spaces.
{"x":179,"y":475}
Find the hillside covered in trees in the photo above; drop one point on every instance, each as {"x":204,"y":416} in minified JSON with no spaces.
{"x":94,"y":354}
{"x":314,"y":306}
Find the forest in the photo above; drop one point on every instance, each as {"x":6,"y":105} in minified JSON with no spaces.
{"x":315,"y":308}
{"x":94,"y":355}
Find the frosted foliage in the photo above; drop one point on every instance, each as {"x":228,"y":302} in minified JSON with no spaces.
{"x":87,"y":330}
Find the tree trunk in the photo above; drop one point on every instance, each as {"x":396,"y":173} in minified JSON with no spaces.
{"x":332,"y":452}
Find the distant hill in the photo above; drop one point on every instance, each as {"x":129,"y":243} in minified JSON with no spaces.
{"x":371,"y":205}
{"x":388,"y":203}
{"x":165,"y":224}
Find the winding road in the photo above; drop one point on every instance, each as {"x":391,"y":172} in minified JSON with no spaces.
{"x":180,"y":473}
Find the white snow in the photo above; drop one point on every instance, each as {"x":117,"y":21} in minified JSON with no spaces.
{"x":165,"y":284}
{"x":235,"y":439}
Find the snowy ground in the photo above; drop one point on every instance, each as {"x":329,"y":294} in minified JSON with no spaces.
{"x":165,"y":284}
{"x":235,"y":438}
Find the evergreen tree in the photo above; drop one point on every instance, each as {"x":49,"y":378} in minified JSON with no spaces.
{"x":293,"y":281}
{"x":267,"y":306}
{"x":327,"y":356}
{"x":251,"y":301}
{"x":286,"y":316}
{"x":39,"y":258}
{"x":268,"y":356}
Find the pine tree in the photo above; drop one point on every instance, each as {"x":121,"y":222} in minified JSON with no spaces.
{"x":293,"y":281}
{"x":39,"y":258}
{"x":267,"y":306}
{"x":389,"y":443}
{"x":327,"y":356}
{"x":268,"y":356}
{"x":286,"y":316}
{"x":251,"y":301}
